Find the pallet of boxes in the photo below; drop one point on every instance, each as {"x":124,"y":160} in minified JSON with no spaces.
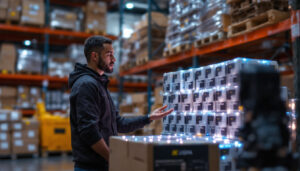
{"x":18,"y":137}
{"x":249,"y":15}
{"x":8,"y":58}
{"x":140,"y":37}
{"x":95,"y":17}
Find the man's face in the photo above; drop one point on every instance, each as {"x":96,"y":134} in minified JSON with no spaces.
{"x":106,"y":59}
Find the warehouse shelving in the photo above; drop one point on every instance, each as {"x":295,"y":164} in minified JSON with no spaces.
{"x":262,"y":33}
{"x":57,"y":82}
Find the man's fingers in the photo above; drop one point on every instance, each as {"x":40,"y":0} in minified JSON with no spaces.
{"x":167,"y":112}
{"x":162,"y":108}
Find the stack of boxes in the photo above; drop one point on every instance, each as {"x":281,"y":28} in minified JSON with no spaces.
{"x":64,"y":19}
{"x":8,"y":97}
{"x":28,"y":97}
{"x":25,"y":136}
{"x":5,"y":135}
{"x":95,"y":20}
{"x":206,"y":99}
{"x":28,"y":58}
{"x":14,"y":10}
{"x":135,"y":103}
{"x":33,"y":12}
{"x":3,"y":9}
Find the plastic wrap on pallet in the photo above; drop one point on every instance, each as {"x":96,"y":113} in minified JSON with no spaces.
{"x":211,"y":18}
{"x":76,"y":53}
{"x":59,"y":65}
{"x":65,"y":19}
{"x":29,"y":61}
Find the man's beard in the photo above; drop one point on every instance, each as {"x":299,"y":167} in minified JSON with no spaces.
{"x":104,"y":67}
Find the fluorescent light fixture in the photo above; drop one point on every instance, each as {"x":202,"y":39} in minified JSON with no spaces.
{"x":27,"y":42}
{"x":129,"y":5}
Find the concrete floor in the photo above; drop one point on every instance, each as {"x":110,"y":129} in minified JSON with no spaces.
{"x":51,"y":163}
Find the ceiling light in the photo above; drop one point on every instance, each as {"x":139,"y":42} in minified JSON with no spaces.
{"x":129,"y":5}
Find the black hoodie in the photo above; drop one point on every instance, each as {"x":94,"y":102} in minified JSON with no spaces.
{"x":93,"y":116}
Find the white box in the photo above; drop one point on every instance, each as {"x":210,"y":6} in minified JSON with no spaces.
{"x":208,"y":95}
{"x":235,"y":120}
{"x":177,"y":107}
{"x":186,"y":97}
{"x":197,"y":96}
{"x":201,"y":129}
{"x":176,"y":87}
{"x":187,"y":107}
{"x":176,"y":76}
{"x":199,"y":74}
{"x":221,"y":131}
{"x":167,"y":78}
{"x":221,"y":119}
{"x":190,"y":119}
{"x":220,"y":70}
{"x":220,"y":94}
{"x":166,"y":128}
{"x":167,"y":88}
{"x":174,"y":98}
{"x":187,"y":85}
{"x":173,"y":129}
{"x":232,"y":93}
{"x":233,"y":80}
{"x":211,"y":130}
{"x":187,"y":75}
{"x":180,"y":129}
{"x":221,"y":81}
{"x":234,"y":66}
{"x":208,"y":106}
{"x":209,"y":71}
{"x":232,"y":106}
{"x":197,"y":107}
{"x":172,"y":118}
{"x":201,"y":119}
{"x":221,"y":106}
{"x":190,"y":129}
{"x":180,"y":119}
{"x":233,"y":133}
{"x":210,"y":83}
{"x":200,"y":84}
{"x":211,"y":119}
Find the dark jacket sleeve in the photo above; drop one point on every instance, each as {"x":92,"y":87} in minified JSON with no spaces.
{"x":88,"y":111}
{"x":131,"y":124}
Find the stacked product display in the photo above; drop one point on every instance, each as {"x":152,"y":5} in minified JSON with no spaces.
{"x":197,"y":21}
{"x":206,"y":99}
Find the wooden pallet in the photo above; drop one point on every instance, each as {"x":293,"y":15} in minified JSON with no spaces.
{"x":177,"y":50}
{"x":141,"y":60}
{"x":210,"y":39}
{"x":28,"y":72}
{"x":4,"y":71}
{"x":262,"y":20}
{"x":17,"y":156}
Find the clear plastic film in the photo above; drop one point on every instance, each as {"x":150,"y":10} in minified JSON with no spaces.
{"x":65,"y":19}
{"x":29,"y":61}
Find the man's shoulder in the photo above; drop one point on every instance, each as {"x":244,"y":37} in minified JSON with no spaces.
{"x":86,"y":80}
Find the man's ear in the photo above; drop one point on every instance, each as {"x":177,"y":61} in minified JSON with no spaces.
{"x":94,"y":56}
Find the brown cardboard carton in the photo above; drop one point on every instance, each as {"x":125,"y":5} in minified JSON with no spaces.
{"x":140,"y":109}
{"x":95,"y":16}
{"x":5,"y":148}
{"x":138,"y":98}
{"x":130,"y":155}
{"x":4,"y":115}
{"x":30,"y":124}
{"x":17,"y":126}
{"x":158,"y":95}
{"x":8,"y":102}
{"x":33,"y":12}
{"x":5,"y":136}
{"x":5,"y":127}
{"x":158,"y":19}
{"x":8,"y":56}
{"x":3,"y":12}
{"x":25,"y":146}
{"x":96,"y":7}
{"x":14,"y":10}
{"x":6,"y":91}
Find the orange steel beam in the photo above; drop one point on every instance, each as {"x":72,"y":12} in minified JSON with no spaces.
{"x":231,"y":42}
{"x":51,"y":32}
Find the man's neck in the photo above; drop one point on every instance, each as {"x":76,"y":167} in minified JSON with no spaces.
{"x":95,"y":68}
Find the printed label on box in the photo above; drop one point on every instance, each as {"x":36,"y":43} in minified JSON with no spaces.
{"x":14,"y":115}
{"x":17,"y":126}
{"x":31,"y":147}
{"x":3,"y":117}
{"x":19,"y":143}
{"x":4,"y":127}
{"x":31,"y":134}
{"x":17,"y":134}
{"x":4,"y":145}
{"x":3,"y":136}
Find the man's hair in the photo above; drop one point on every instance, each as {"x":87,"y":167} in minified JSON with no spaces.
{"x":94,"y":44}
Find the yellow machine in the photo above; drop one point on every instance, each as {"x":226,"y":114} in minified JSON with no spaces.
{"x":55,"y":131}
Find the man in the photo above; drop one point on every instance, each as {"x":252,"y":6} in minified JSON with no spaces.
{"x":93,"y":116}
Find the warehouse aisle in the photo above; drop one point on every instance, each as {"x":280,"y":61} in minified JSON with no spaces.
{"x":52,"y":163}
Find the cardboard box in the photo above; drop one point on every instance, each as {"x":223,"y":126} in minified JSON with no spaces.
{"x":5,"y":136}
{"x":126,"y":109}
{"x":158,"y":19}
{"x":4,"y":116}
{"x":130,"y":155}
{"x":158,"y":95}
{"x":6,"y":91}
{"x":5,"y":127}
{"x":95,"y":19}
{"x":63,"y":19}
{"x":33,"y":12}
{"x":17,"y":126}
{"x":3,"y":13}
{"x":27,"y":134}
{"x":138,"y":98}
{"x":14,"y":10}
{"x":25,"y":146}
{"x":15,"y":116}
{"x":5,"y":148}
{"x":8,"y":102}
{"x":140,"y":109}
{"x":8,"y":56}
{"x":30,"y":124}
